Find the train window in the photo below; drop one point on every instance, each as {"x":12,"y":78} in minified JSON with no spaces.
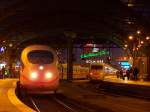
{"x":96,"y":67}
{"x":40,"y":57}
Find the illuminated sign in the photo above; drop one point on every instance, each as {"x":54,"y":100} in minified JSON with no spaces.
{"x":95,"y":50}
{"x":125,"y":63}
{"x":2,"y":49}
{"x":122,"y":59}
{"x":94,"y":54}
{"x":94,"y":61}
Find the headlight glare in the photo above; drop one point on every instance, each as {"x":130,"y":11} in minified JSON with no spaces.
{"x":33,"y":75}
{"x":48,"y":75}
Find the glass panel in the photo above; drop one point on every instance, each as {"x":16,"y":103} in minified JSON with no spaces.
{"x":96,"y":67}
{"x":40,"y":57}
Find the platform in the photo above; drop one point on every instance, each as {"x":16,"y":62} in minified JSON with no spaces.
{"x":8,"y":100}
{"x":107,"y":103}
{"x":114,"y":79}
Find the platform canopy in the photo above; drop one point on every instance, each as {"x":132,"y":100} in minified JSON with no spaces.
{"x":23,"y":20}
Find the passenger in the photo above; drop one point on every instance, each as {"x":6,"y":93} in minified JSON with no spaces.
{"x":131,"y":73}
{"x":10,"y":70}
{"x":3,"y":72}
{"x":135,"y":73}
{"x":117,"y":74}
{"x":128,"y":74}
{"x":121,"y":74}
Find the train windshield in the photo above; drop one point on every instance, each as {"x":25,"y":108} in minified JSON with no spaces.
{"x":40,"y":57}
{"x":96,"y":67}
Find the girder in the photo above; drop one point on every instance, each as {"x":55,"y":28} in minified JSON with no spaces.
{"x":39,"y":17}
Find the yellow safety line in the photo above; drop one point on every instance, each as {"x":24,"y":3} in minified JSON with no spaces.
{"x":15,"y":101}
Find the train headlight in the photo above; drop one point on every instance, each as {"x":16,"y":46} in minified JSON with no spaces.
{"x":48,"y":75}
{"x":91,"y":73}
{"x":33,"y":75}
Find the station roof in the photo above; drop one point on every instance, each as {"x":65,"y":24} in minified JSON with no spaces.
{"x":21,"y":20}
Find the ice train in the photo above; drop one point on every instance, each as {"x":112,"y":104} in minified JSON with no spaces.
{"x":39,"y":70}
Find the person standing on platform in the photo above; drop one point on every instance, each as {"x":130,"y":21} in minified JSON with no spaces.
{"x":10,"y":71}
{"x":128,"y":74}
{"x":117,"y":74}
{"x":3,"y":72}
{"x":135,"y":73}
{"x":121,"y":74}
{"x":131,"y":73}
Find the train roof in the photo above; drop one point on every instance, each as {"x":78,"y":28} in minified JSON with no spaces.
{"x":36,"y":47}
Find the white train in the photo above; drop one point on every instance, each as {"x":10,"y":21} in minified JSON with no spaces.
{"x":39,"y":71}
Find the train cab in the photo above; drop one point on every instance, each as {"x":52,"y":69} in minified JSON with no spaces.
{"x":96,"y":72}
{"x":39,"y":71}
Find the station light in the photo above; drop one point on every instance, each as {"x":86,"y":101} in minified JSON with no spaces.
{"x":138,"y":32}
{"x":10,"y":45}
{"x":131,"y":37}
{"x":125,"y":45}
{"x":147,"y":38}
{"x":130,"y":5}
{"x":142,"y":42}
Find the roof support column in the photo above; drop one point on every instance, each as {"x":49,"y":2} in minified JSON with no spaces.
{"x":70,"y":36}
{"x":148,"y":66}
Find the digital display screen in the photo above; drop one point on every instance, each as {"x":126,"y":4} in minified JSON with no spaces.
{"x":125,"y":63}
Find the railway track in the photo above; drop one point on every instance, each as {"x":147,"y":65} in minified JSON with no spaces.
{"x":62,"y":103}
{"x":55,"y":103}
{"x":49,"y":104}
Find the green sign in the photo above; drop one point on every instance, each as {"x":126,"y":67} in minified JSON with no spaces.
{"x":96,"y":54}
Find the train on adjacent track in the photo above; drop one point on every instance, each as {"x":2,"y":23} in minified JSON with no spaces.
{"x":99,"y":71}
{"x":93,"y":71}
{"x":39,"y":71}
